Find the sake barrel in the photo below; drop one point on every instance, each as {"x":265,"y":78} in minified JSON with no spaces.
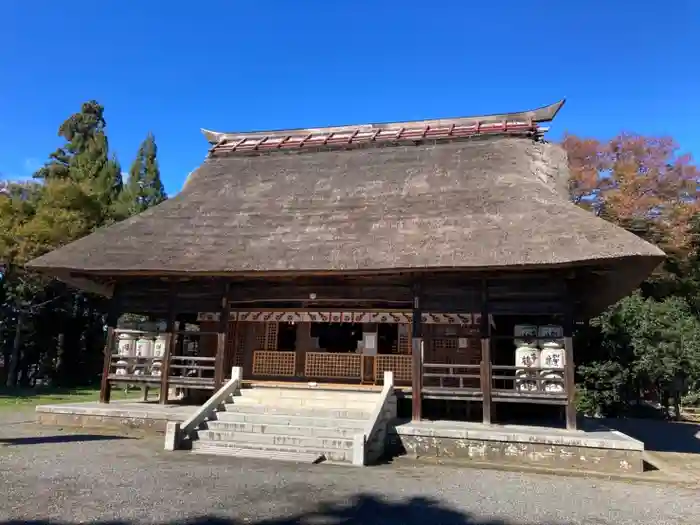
{"x":156,"y":369}
{"x":549,"y":333}
{"x":159,"y":345}
{"x":122,"y":367}
{"x":144,"y":346}
{"x":527,"y":356}
{"x":126,"y":347}
{"x":553,"y":386}
{"x":552,"y":356}
{"x":524,"y":334}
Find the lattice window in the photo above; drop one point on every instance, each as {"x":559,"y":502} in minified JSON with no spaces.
{"x":321,"y":364}
{"x":274,"y":363}
{"x":401,"y":365}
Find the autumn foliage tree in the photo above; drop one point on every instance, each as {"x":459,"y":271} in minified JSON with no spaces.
{"x":641,"y":183}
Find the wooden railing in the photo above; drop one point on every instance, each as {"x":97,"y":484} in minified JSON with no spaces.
{"x":135,"y":368}
{"x":182,"y":369}
{"x":274,"y":363}
{"x":190,"y":366}
{"x":443,"y":375}
{"x":400,"y":365}
{"x":333,"y":366}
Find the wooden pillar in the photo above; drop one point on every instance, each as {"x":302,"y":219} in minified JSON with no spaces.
{"x":170,"y":345}
{"x":221,"y":337}
{"x":249,"y":346}
{"x":231,"y":360}
{"x":301,"y":346}
{"x":486,"y":372}
{"x":569,"y":364}
{"x":110,"y":344}
{"x":417,"y":353}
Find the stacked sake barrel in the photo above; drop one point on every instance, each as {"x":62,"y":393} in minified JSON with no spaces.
{"x":539,"y":353}
{"x":527,"y":358}
{"x":552,"y":358}
{"x":141,"y":349}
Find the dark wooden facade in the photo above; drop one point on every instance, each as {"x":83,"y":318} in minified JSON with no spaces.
{"x":436,"y":372}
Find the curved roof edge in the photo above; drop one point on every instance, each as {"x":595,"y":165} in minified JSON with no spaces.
{"x":542,"y":114}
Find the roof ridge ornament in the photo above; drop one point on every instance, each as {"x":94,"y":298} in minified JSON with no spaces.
{"x":542,"y":114}
{"x":520,"y":123}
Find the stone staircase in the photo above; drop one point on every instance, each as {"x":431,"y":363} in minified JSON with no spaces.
{"x":307,"y":424}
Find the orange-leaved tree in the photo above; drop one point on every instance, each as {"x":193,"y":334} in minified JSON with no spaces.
{"x":641,"y":183}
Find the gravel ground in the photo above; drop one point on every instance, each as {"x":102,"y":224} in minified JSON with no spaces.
{"x":63,"y":476}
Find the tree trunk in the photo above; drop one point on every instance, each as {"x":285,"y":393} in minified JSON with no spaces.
{"x":16,"y":353}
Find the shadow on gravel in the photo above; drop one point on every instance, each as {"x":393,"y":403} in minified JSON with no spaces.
{"x":363,"y":510}
{"x":68,"y":438}
{"x":660,"y":436}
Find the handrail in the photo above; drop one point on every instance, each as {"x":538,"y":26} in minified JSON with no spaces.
{"x":375,"y":428}
{"x":175,"y":432}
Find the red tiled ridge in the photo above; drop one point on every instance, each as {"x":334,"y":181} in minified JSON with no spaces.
{"x":523,"y":123}
{"x":271,"y":142}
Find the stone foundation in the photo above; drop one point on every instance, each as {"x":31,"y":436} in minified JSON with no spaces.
{"x":125,"y":417}
{"x":604,"y":451}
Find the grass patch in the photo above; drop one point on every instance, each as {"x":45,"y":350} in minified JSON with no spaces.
{"x":19,"y":398}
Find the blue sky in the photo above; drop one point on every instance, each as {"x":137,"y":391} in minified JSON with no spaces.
{"x":174,"y":67}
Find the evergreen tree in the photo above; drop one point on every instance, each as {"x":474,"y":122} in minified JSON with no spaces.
{"x":144,"y":188}
{"x":84,"y":164}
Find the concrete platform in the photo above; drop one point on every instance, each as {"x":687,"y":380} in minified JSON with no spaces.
{"x":146,"y":417}
{"x":594,"y":448}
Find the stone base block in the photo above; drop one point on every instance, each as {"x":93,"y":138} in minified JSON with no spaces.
{"x":612,"y":453}
{"x":143,"y":418}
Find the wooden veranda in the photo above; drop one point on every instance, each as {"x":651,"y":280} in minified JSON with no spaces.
{"x":462,"y":347}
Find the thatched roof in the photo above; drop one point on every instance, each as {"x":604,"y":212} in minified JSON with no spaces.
{"x":472,"y":200}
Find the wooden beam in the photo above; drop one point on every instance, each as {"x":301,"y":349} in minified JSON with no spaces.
{"x":485,"y":330}
{"x":221,"y":338}
{"x":417,"y":353}
{"x":112,"y":319}
{"x":170,"y":345}
{"x":569,"y":364}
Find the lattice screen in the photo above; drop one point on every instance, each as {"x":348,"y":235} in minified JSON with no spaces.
{"x":401,"y":365}
{"x":260,"y":330}
{"x":446,"y":350}
{"x":266,"y":336}
{"x":235,"y":344}
{"x":404,"y":344}
{"x":320,"y":364}
{"x":271,"y":331}
{"x":273,"y":363}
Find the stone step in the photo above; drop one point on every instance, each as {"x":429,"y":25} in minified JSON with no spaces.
{"x":288,"y":419}
{"x":327,"y":431}
{"x":223,"y":447}
{"x":253,"y":438}
{"x":302,"y":402}
{"x":330,"y":413}
{"x":255,"y":453}
{"x":306,"y":393}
